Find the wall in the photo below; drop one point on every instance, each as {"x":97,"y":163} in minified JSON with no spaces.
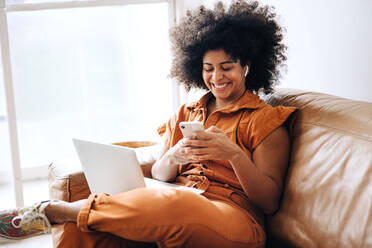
{"x":329,"y":45}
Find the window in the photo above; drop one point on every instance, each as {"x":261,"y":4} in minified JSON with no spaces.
{"x":97,"y":73}
{"x":7,"y":197}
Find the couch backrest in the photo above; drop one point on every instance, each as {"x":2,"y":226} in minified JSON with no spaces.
{"x":327,"y":200}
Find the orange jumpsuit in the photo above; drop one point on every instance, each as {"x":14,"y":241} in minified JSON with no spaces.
{"x":220,"y":217}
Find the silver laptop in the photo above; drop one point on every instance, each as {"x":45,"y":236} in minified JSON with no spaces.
{"x":113,"y":169}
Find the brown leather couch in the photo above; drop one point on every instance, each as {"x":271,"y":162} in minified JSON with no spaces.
{"x":327,"y":200}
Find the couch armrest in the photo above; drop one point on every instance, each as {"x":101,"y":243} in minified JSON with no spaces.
{"x":67,"y":181}
{"x":72,"y":185}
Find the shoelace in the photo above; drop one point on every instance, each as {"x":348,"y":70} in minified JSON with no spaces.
{"x":30,"y":216}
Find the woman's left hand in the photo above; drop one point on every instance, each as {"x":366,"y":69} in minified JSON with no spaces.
{"x":213,"y":143}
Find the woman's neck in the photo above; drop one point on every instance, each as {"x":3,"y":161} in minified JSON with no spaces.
{"x":221,"y":104}
{"x":215,"y":105}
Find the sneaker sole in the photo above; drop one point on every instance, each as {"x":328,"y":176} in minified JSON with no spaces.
{"x":4,"y":239}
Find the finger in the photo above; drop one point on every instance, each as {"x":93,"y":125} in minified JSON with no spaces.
{"x":202,"y":157}
{"x":202,"y":135}
{"x":213,"y":129}
{"x":196,"y":143}
{"x":189,"y":159}
{"x":202,"y":151}
{"x":185,"y":141}
{"x":186,"y":151}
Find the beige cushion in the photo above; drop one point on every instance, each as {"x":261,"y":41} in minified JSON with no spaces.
{"x":327,"y":200}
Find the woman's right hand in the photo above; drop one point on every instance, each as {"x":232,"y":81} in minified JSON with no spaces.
{"x":166,"y":167}
{"x":180,"y":153}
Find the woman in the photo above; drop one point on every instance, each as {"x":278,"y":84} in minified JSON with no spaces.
{"x":239,"y":161}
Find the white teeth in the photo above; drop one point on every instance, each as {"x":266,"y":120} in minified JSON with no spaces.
{"x":220,"y":86}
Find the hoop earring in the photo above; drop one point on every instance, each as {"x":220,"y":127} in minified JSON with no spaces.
{"x":246,"y":71}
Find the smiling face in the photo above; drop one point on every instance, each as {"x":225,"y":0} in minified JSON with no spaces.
{"x":223,"y":76}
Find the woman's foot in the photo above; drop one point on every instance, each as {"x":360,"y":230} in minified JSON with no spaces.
{"x":21,"y":223}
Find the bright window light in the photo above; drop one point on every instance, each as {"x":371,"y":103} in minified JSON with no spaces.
{"x":98,"y":73}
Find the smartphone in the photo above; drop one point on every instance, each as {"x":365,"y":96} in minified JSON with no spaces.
{"x":190,"y":127}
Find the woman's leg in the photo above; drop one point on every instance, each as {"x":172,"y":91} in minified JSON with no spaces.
{"x":72,"y":236}
{"x":60,"y":211}
{"x":172,"y":218}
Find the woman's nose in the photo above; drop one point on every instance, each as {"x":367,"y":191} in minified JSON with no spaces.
{"x":217,"y":75}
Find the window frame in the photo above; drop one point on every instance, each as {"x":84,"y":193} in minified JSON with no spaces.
{"x":7,"y":70}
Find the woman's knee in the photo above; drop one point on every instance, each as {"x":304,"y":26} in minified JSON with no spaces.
{"x":173,"y":201}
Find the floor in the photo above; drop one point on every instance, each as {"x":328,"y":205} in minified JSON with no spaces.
{"x":41,"y":241}
{"x":35,"y":190}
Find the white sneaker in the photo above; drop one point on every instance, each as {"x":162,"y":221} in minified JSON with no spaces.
{"x":21,"y":223}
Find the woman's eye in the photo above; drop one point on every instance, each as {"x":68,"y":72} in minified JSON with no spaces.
{"x":208,"y":69}
{"x":226,"y":69}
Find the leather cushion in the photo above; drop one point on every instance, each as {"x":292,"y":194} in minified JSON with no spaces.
{"x":327,"y":197}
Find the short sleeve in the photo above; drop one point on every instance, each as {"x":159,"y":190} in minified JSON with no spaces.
{"x":265,"y":121}
{"x":168,"y":130}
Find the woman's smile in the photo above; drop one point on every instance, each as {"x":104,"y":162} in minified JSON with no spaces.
{"x":220,"y":86}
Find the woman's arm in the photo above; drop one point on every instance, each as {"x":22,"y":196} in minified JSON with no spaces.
{"x":162,"y":169}
{"x":166,"y":167}
{"x":260,"y":175}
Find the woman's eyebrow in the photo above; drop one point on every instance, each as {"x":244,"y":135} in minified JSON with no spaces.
{"x":224,"y":62}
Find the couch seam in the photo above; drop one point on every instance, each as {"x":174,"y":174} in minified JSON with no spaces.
{"x":366,"y":138}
